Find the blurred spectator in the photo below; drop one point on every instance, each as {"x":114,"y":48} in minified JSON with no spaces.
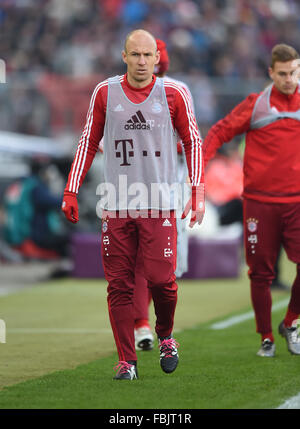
{"x":32,"y":224}
{"x":224,"y":184}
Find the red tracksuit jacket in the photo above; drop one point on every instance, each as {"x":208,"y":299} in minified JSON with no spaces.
{"x":272,"y":153}
{"x":182,"y":117}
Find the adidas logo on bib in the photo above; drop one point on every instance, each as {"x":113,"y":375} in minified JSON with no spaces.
{"x":138,"y":122}
{"x":167,"y":223}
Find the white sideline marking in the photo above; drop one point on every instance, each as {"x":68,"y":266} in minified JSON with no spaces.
{"x":245,"y":316}
{"x":292,"y":403}
{"x":8,"y":291}
{"x":56,"y":331}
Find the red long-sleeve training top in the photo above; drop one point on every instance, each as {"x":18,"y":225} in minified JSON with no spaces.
{"x":272,"y":153}
{"x":182,"y":117}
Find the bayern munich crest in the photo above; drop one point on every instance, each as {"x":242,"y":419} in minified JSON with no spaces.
{"x":104,"y":226}
{"x":252,"y":224}
{"x":156,"y":107}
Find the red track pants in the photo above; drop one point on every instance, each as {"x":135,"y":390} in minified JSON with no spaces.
{"x":266,"y":227}
{"x":142,"y":294}
{"x":121,"y":238}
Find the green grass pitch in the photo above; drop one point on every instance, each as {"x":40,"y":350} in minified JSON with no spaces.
{"x":59,"y":352}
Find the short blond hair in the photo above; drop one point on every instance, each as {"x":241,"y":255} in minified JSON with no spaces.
{"x":283,"y":53}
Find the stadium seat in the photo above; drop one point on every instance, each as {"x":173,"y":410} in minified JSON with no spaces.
{"x":86,"y":255}
{"x":213,"y":258}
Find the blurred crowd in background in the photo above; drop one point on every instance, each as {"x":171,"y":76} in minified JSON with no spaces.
{"x":56,"y":51}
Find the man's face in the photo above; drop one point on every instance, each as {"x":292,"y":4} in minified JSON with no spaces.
{"x":285,"y":76}
{"x":140,"y":57}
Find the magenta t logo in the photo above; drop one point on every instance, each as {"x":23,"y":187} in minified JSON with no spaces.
{"x":124,"y":153}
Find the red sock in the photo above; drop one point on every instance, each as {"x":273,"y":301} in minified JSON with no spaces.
{"x":290,"y":317}
{"x":141,"y":322}
{"x":269,"y":336}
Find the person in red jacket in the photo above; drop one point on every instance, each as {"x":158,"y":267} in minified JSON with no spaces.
{"x":139,"y":116}
{"x":271,"y":189}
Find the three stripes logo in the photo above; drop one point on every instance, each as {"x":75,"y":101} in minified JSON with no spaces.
{"x":167,"y":223}
{"x":138,"y":122}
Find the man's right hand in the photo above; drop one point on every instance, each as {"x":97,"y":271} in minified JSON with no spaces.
{"x":70,"y":206}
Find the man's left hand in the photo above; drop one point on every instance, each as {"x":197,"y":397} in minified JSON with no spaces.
{"x":197,"y":204}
